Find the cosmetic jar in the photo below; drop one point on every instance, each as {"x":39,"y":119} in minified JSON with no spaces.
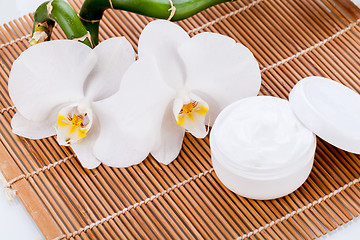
{"x":263,"y":147}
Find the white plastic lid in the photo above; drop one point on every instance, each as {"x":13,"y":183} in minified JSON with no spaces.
{"x":330,"y":110}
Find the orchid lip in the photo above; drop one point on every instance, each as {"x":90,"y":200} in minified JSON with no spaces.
{"x":191,"y":115}
{"x":188,"y":110}
{"x":73,"y":124}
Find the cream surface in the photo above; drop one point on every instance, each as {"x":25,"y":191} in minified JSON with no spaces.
{"x":262,"y":132}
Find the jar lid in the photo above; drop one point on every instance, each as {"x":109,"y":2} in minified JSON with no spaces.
{"x":330,"y":110}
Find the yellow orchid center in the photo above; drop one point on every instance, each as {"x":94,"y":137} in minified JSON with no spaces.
{"x":72,"y":128}
{"x":191,"y":111}
{"x":77,"y":121}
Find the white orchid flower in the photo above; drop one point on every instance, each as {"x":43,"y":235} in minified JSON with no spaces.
{"x":56,"y":87}
{"x":175,"y":85}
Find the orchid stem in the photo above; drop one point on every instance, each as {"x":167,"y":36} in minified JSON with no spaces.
{"x":92,"y":11}
{"x":85,"y":27}
{"x":62,"y":13}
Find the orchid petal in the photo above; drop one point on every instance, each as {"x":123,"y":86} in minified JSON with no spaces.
{"x":132,"y":117}
{"x":112,"y":147}
{"x":161,"y":39}
{"x":115,"y":55}
{"x":85,"y":155}
{"x":31,"y":129}
{"x":49,"y":74}
{"x":170,"y":139}
{"x":84,"y":148}
{"x":222,"y":70}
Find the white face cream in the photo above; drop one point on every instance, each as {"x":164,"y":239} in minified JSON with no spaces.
{"x":259,"y":148}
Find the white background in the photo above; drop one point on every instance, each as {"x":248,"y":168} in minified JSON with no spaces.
{"x":16,"y":224}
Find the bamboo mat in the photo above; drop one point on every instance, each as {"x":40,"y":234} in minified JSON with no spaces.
{"x":291,"y":39}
